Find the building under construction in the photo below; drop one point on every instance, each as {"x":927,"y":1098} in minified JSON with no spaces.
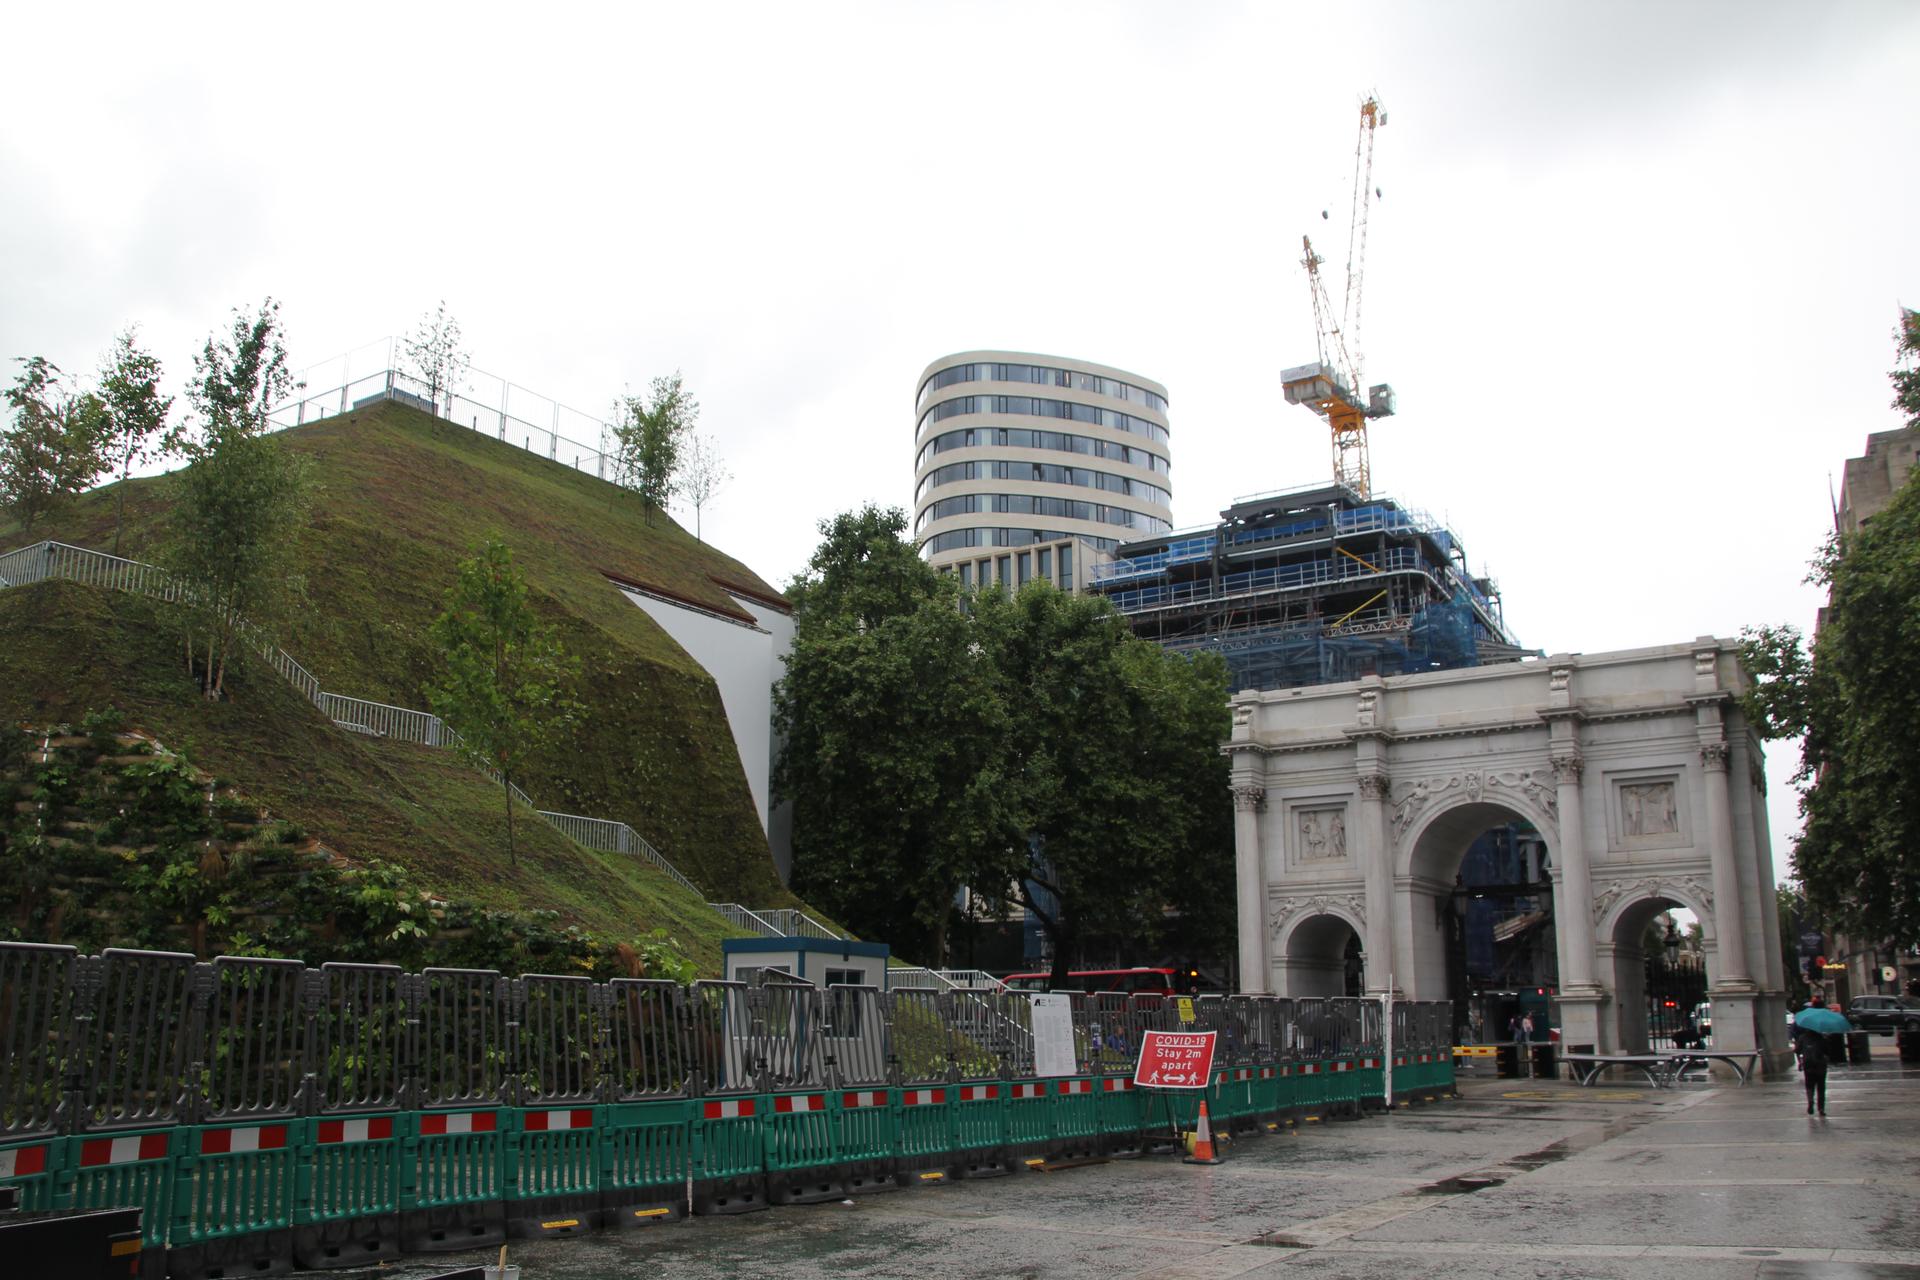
{"x":1312,"y":586}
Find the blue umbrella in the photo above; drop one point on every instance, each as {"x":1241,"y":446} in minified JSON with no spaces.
{"x":1822,"y":1022}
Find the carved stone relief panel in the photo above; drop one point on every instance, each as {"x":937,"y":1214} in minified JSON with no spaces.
{"x":1648,"y":809}
{"x":1319,"y":834}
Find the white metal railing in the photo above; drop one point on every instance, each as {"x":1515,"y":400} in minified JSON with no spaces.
{"x":40,"y":561}
{"x":971,"y":979}
{"x":744,"y":920}
{"x":789,"y":923}
{"x":918,"y":979}
{"x":479,"y":401}
{"x":381,"y":720}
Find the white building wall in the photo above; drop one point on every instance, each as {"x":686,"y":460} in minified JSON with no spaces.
{"x":744,"y":662}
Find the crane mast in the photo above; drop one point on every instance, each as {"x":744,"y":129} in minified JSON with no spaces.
{"x":1331,"y":386}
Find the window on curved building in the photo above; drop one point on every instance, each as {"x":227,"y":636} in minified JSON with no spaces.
{"x":1044,"y":375}
{"x":1044,"y":407}
{"x":1056,"y":441}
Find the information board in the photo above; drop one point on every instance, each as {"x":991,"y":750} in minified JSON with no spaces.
{"x":1053,"y":1036}
{"x":1174,"y":1060}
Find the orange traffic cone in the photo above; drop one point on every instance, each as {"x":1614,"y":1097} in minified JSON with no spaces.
{"x":1203,"y":1141}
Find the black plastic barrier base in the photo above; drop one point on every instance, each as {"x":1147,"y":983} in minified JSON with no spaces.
{"x":450,"y":1227}
{"x":538,"y":1217}
{"x":729,"y":1195}
{"x":350,"y":1242}
{"x":866,"y":1177}
{"x":806,"y":1186}
{"x":634,"y":1207}
{"x":984,"y":1162}
{"x":265,"y":1253}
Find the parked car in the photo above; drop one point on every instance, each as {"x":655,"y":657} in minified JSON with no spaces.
{"x":1884,"y":1013}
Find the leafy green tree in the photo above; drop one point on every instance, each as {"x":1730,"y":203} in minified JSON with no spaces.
{"x":241,"y":502}
{"x":1120,"y":789}
{"x":1853,"y":699}
{"x":236,"y":383}
{"x":649,"y":438}
{"x":51,"y":449}
{"x":135,"y":414}
{"x":892,"y":728}
{"x":436,"y":357}
{"x":503,"y":690}
{"x":231,"y":539}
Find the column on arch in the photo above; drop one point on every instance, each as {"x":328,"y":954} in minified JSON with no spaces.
{"x":1375,"y":851}
{"x":1727,"y":898}
{"x":1250,"y":884}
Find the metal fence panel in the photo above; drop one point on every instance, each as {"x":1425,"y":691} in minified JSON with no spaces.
{"x":140,"y":1037}
{"x":459,"y":1046}
{"x":785,"y":1034}
{"x":557,"y":1055}
{"x":648,"y":1024}
{"x":918,"y":1027}
{"x":853,"y":1031}
{"x":359,"y":1036}
{"x":36,"y":1029}
{"x":719,"y":1026}
{"x":253,"y":1046}
{"x":991,"y":1034}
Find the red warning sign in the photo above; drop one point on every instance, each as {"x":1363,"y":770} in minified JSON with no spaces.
{"x":1174,"y":1060}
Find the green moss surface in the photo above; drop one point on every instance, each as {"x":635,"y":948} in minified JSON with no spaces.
{"x":401,"y":498}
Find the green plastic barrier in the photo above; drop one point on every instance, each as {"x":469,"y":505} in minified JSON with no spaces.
{"x":352,"y":1170}
{"x":729,"y":1160}
{"x":552,"y":1173}
{"x":36,"y":1166}
{"x":112,"y":1170}
{"x":1076,"y":1117}
{"x":646,"y":1159}
{"x":1265,"y":1093}
{"x":800,"y":1150}
{"x":924,"y":1135}
{"x":233,"y":1194}
{"x":866,"y":1136}
{"x":1029,"y":1117}
{"x":980,"y":1117}
{"x":456,"y":1158}
{"x":1122,"y":1112}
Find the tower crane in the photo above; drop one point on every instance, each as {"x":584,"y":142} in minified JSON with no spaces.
{"x":1331,"y":385}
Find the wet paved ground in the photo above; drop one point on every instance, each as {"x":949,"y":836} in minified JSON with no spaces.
{"x":1694,"y":1183}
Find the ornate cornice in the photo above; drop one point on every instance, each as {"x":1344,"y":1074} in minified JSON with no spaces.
{"x":1288,"y":910}
{"x":1473,"y":784}
{"x":1697,"y":892}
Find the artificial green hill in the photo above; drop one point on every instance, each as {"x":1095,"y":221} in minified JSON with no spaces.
{"x":67,"y":651}
{"x":401,"y":497}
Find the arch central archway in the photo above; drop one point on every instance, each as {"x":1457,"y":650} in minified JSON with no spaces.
{"x":1479,"y":924}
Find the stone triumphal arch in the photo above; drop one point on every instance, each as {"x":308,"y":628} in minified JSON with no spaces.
{"x":1634,"y":771}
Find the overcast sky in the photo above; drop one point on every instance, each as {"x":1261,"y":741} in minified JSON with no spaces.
{"x":1633,"y":275}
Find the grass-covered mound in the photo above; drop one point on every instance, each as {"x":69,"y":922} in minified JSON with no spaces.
{"x":402,"y":497}
{"x":68,"y":652}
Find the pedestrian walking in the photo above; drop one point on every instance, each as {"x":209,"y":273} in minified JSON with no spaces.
{"x":1811,"y":1047}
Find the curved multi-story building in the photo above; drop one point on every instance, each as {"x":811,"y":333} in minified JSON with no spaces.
{"x":1021,"y":459}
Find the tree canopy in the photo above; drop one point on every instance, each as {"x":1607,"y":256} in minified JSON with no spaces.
{"x":503,"y":687}
{"x":1026,"y":747}
{"x":1853,"y":698}
{"x":53,"y":446}
{"x":649,"y":436}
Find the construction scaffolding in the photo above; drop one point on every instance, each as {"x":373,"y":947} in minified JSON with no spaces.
{"x":1312,"y":586}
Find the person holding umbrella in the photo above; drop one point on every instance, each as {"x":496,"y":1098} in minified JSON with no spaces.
{"x":1811,"y":1027}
